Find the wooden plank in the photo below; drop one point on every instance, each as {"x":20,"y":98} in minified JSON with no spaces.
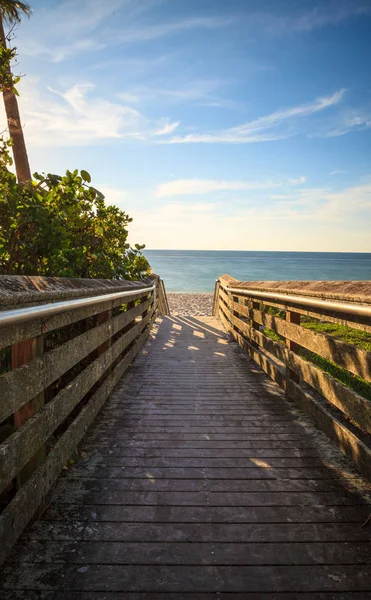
{"x":201,"y":532}
{"x":347,"y":442}
{"x":345,"y":319}
{"x":348,"y":356}
{"x":159,"y":506}
{"x":14,"y":333}
{"x":211,"y":514}
{"x":21,"y":509}
{"x":126,"y":553}
{"x":19,"y":448}
{"x":22,"y":354}
{"x":194,"y":579}
{"x":273,"y":368}
{"x":19,"y":386}
{"x":353,"y":405}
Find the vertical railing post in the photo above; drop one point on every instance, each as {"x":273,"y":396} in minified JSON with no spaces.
{"x":103,"y":317}
{"x":216,"y":299}
{"x":22,"y":353}
{"x":292,"y":317}
{"x":142,"y":301}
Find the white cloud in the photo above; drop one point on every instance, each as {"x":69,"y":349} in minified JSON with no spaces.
{"x":80,"y":116}
{"x":308,"y":219}
{"x":193,"y":187}
{"x":145,"y":33}
{"x":312,"y":219}
{"x":265,"y":128}
{"x":167,"y":127}
{"x":329,"y":13}
{"x":356,"y":122}
{"x":71,"y":27}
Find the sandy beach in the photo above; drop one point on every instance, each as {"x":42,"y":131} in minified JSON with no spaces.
{"x":181,"y":304}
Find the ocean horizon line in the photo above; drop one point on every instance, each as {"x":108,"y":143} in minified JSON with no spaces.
{"x":271,"y":251}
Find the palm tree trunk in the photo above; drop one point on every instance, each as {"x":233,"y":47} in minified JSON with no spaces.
{"x":21,"y":163}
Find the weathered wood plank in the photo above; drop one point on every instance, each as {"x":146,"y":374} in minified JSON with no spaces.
{"x":353,"y":405}
{"x":345,"y":439}
{"x":104,"y":531}
{"x":348,"y":356}
{"x":21,"y":509}
{"x":19,"y":386}
{"x":12,"y":334}
{"x":151,"y":553}
{"x":157,"y":507}
{"x":19,"y":448}
{"x":193,"y":579}
{"x":206,"y":514}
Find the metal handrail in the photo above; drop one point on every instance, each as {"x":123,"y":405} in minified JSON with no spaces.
{"x":20,"y":315}
{"x":329,"y":305}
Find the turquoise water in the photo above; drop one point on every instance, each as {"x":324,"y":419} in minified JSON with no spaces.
{"x":196,"y":270}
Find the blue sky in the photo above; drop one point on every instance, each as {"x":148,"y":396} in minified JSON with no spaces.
{"x":216,"y":124}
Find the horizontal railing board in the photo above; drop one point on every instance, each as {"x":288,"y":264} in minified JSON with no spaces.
{"x":21,"y":385}
{"x":21,"y":509}
{"x":348,"y":356}
{"x":352,"y":321}
{"x":348,"y":442}
{"x":22,"y":445}
{"x":349,"y":402}
{"x":268,"y":345}
{"x":11,"y":334}
{"x":271,"y":367}
{"x":354,"y":406}
{"x":20,"y":291}
{"x":283,"y":364}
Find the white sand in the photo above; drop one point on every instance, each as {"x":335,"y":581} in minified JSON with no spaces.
{"x":199,"y":305}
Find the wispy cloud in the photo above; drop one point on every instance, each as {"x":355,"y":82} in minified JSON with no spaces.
{"x":67,"y":29}
{"x":195,"y":187}
{"x":80,"y":116}
{"x":139,"y":33}
{"x":167,"y":127}
{"x":265,"y":128}
{"x":323,"y":14}
{"x":318,"y":218}
{"x":350,"y":124}
{"x":71,"y":27}
{"x":181,"y":90}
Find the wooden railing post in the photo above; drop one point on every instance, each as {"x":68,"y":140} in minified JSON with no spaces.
{"x":292,"y":317}
{"x":22,"y":353}
{"x":216,"y":299}
{"x":103,"y":317}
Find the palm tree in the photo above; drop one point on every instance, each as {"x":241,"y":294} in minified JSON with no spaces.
{"x":11,"y":12}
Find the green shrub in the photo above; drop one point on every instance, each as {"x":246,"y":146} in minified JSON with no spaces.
{"x":62,"y":227}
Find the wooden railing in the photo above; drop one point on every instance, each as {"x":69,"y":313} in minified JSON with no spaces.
{"x":59,"y":363}
{"x":272,"y":322}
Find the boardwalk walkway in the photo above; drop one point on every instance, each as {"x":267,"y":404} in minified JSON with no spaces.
{"x":197,"y":481}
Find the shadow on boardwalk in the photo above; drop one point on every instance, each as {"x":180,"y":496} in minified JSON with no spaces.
{"x":197,"y":481}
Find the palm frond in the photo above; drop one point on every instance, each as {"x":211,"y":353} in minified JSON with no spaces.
{"x":11,"y":11}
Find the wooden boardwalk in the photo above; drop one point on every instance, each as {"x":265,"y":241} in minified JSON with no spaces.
{"x":199,"y":482}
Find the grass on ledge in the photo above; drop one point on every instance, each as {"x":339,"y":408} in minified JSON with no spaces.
{"x":357,"y":384}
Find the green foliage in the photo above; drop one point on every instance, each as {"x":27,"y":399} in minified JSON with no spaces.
{"x":12,"y":11}
{"x":359,"y":338}
{"x":60,"y":226}
{"x":7,"y":79}
{"x":358,"y":384}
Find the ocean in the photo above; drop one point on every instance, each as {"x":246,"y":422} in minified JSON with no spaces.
{"x":197,"y":270}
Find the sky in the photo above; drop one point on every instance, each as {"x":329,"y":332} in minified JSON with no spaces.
{"x":215,"y":124}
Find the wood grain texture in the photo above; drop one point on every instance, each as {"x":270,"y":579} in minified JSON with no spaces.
{"x":197,"y":481}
